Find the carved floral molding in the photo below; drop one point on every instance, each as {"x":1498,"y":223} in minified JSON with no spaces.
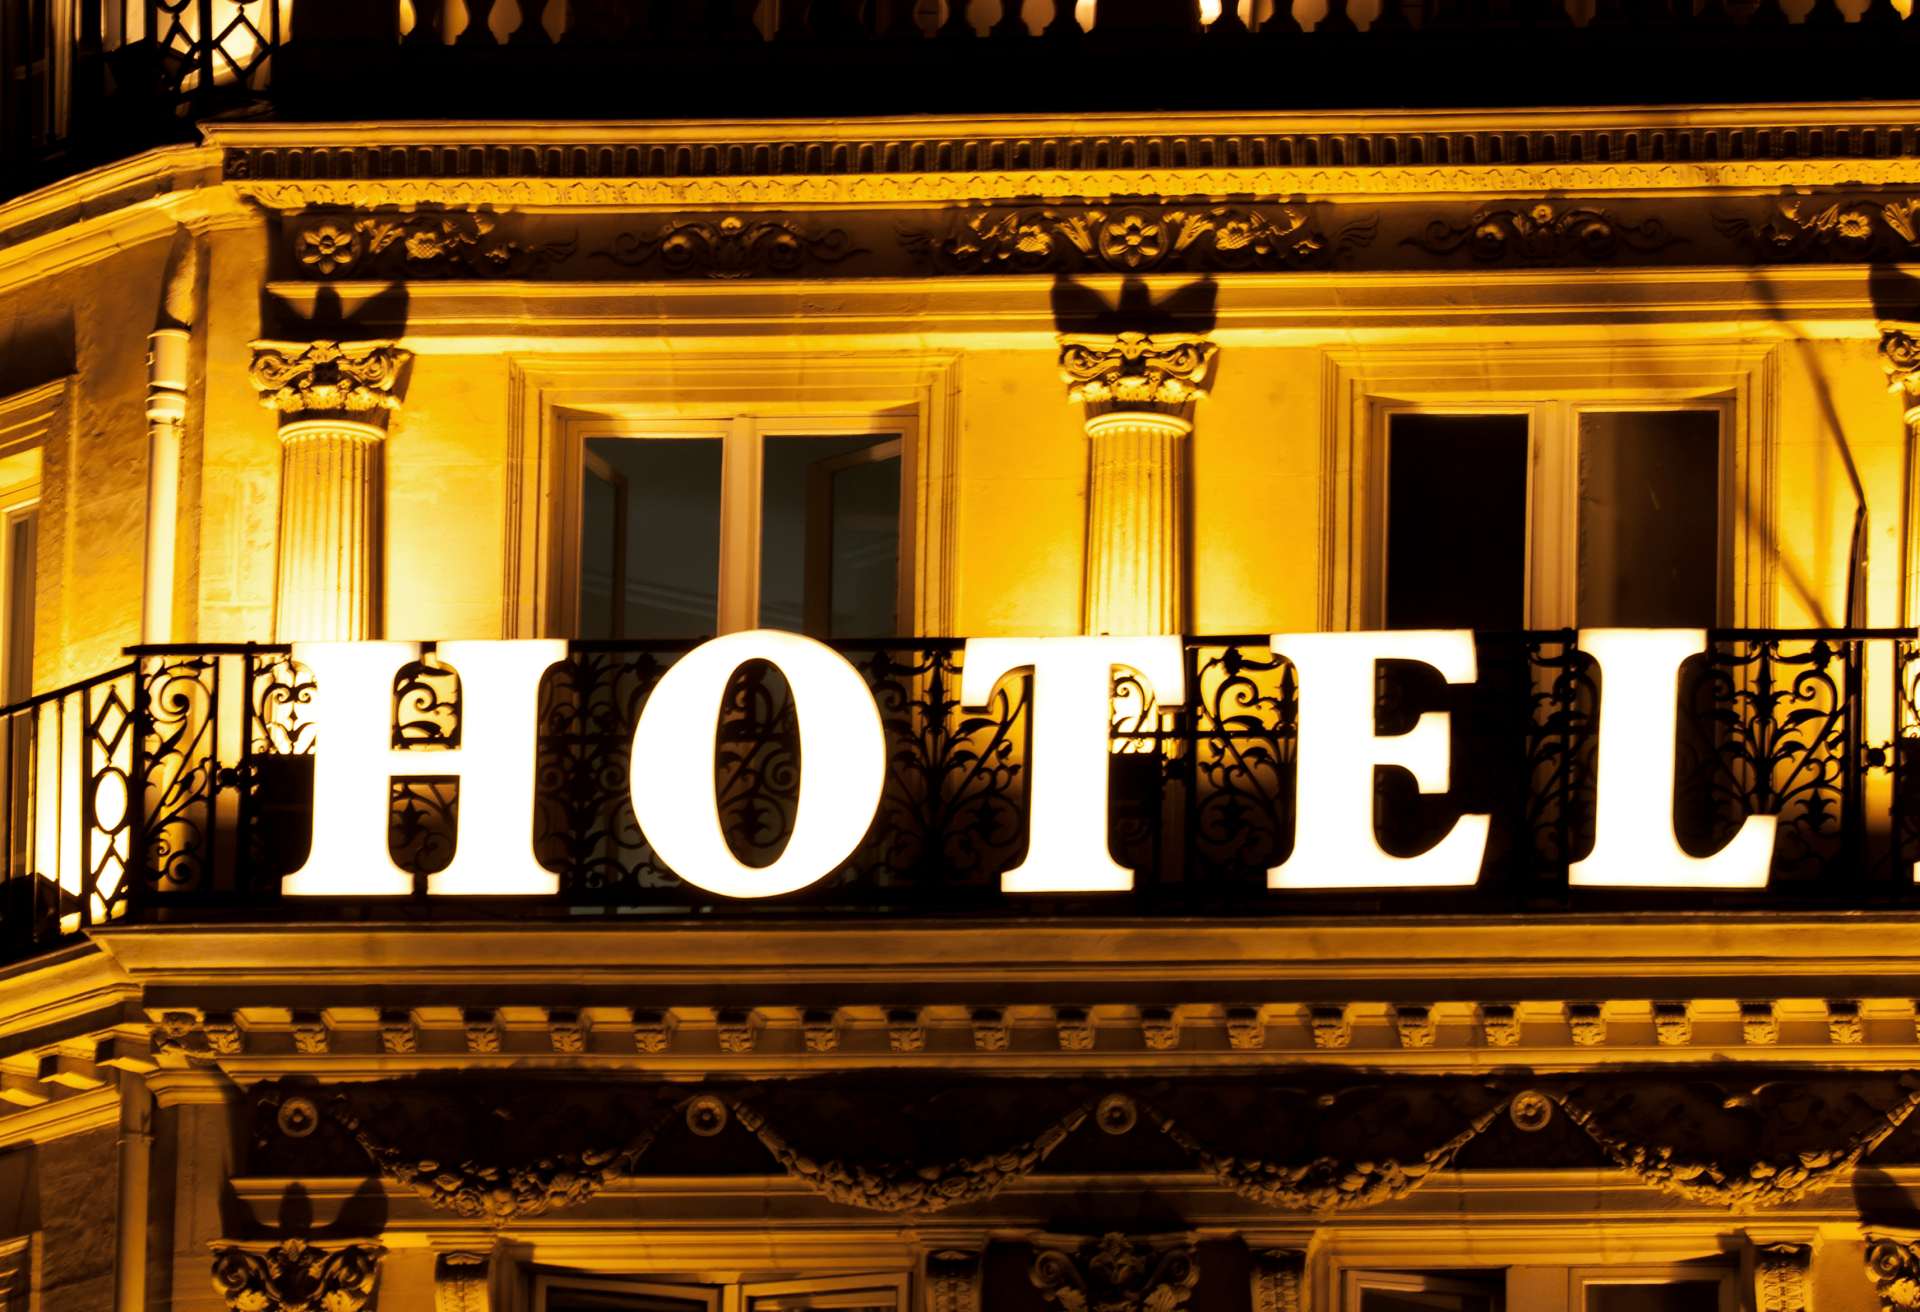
{"x":1115,"y":1273}
{"x":1847,"y":229}
{"x":734,"y":246}
{"x":427,"y":243}
{"x":296,"y":1276}
{"x":1136,"y":239}
{"x":1543,"y":234}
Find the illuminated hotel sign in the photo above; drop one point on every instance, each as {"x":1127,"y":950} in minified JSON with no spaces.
{"x":843,"y":756}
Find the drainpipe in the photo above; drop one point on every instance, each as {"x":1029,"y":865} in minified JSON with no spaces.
{"x":167,"y":352}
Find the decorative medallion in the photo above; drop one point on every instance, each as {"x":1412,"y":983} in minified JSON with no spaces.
{"x":1135,"y":239}
{"x":1530,"y":1111}
{"x":736,"y":246}
{"x":1542,"y":235}
{"x":1116,"y":1114}
{"x":296,"y":1276}
{"x":1116,"y":1274}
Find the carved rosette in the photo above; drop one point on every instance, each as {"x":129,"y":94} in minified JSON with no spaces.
{"x":1137,"y":392}
{"x":1781,"y":1280}
{"x":1894,"y":1265}
{"x":1115,"y":1273}
{"x":296,"y":1276}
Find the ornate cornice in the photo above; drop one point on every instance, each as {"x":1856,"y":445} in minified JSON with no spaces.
{"x":296,"y":1276}
{"x":1115,"y":1273}
{"x":456,"y":242}
{"x":306,"y":380}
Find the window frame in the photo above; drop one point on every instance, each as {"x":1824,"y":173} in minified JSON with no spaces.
{"x":1582,"y":1278}
{"x":813,"y":1292}
{"x":1605,"y":372}
{"x":544,"y":1282}
{"x":1552,"y":512}
{"x":742,"y":438}
{"x":551,"y":395}
{"x":1357,"y":1281}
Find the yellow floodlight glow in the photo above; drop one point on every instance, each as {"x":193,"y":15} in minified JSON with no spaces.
{"x":355,"y":763}
{"x":1634,"y":844}
{"x":843,"y":758}
{"x":1072,"y":719}
{"x":1334,"y":843}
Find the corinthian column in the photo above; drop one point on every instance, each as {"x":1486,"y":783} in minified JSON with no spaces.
{"x":1137,"y":393}
{"x":333,"y":399}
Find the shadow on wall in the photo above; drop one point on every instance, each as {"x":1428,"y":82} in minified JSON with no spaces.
{"x":36,"y":347}
{"x":1078,"y":308}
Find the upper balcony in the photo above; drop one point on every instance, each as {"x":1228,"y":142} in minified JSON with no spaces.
{"x":181,"y":785}
{"x":90,"y":80}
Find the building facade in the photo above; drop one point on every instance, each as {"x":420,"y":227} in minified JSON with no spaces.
{"x":372,"y":976}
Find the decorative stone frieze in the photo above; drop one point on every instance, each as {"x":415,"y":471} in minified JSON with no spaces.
{"x":399,"y":1033}
{"x":311,"y":1037}
{"x":905,"y":1032}
{"x":1672,"y":1024}
{"x":1543,"y":233}
{"x":1115,"y":1273}
{"x":333,"y":399}
{"x":1137,"y":392}
{"x":1160,"y":1028}
{"x":1500,"y":1024}
{"x":1246,"y":1029}
{"x":736,"y":1030}
{"x":820,"y":1029}
{"x":731,"y":246}
{"x":1759,"y":1024}
{"x":1279,"y":1277}
{"x":568,"y":1030}
{"x":953,"y":1280}
{"x":483,"y":1030}
{"x":1134,"y":239}
{"x":991,"y":1032}
{"x":296,"y":1276}
{"x":1414,"y":1025}
{"x":1074,"y":1027}
{"x":1587,"y":1023}
{"x":1332,"y":1026}
{"x":652,"y":1031}
{"x":1844,"y":1021}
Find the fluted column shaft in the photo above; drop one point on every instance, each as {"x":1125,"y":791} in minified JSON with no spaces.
{"x":1136,"y":524}
{"x":334,"y":400}
{"x":331,"y":495}
{"x":1137,"y":393}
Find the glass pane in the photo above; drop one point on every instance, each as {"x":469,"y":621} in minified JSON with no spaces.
{"x":1678,"y":1296}
{"x":1649,"y":518}
{"x":1456,"y":521}
{"x":1407,"y":1300}
{"x":830,"y":535}
{"x":606,"y":1300}
{"x":671,"y":564}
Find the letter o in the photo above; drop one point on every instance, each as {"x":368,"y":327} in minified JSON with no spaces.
{"x":843,"y":762}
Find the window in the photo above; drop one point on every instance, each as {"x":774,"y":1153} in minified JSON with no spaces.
{"x":1682,"y":1287}
{"x":1552,"y":514}
{"x":885,"y":1292}
{"x":1411,"y":1291}
{"x":690,"y":529}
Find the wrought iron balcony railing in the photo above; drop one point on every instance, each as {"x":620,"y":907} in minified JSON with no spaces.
{"x":88,"y":80}
{"x":180,"y":784}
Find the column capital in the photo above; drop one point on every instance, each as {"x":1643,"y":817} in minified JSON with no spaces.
{"x":304,"y":381}
{"x":293,"y":1275}
{"x":1136,"y":373}
{"x":1900,"y":357}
